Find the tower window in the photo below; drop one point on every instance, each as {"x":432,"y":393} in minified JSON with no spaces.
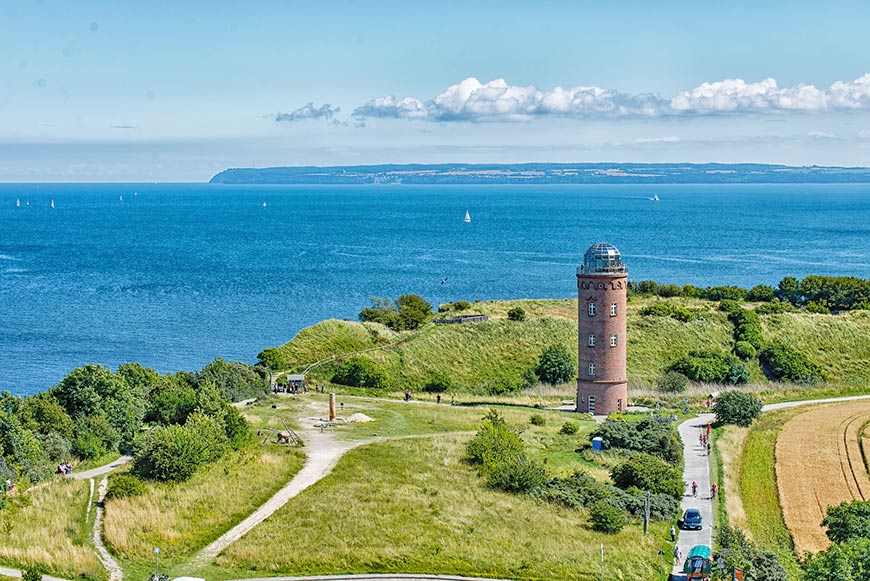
{"x":612,"y":309}
{"x":591,"y":406}
{"x":592,"y":340}
{"x":591,"y":309}
{"x":613,"y":340}
{"x":619,"y":404}
{"x":591,"y":369}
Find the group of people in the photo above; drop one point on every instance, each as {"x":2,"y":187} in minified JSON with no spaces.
{"x":64,"y":468}
{"x":714,"y":488}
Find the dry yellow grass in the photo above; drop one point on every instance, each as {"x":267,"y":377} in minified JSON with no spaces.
{"x":182,"y":518}
{"x":819,"y":464}
{"x":51,"y":532}
{"x":730,"y":445}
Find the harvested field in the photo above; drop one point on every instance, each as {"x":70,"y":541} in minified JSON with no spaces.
{"x":820,"y":462}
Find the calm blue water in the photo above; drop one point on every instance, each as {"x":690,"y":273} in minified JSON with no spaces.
{"x":179,"y":274}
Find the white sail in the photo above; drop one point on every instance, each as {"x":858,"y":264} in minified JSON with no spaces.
{"x":52,"y":203}
{"x":467,"y":217}
{"x":120,"y":198}
{"x":264,"y":204}
{"x":17,"y":202}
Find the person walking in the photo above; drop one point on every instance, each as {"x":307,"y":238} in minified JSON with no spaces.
{"x":677,"y":555}
{"x":673,"y":534}
{"x":694,"y":488}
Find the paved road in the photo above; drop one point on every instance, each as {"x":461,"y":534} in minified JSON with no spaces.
{"x":696,"y":469}
{"x":17,"y":574}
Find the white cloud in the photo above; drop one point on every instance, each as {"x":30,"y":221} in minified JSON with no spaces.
{"x":471,"y":100}
{"x":309,"y":111}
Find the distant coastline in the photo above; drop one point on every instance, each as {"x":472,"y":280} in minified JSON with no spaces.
{"x":546,"y":173}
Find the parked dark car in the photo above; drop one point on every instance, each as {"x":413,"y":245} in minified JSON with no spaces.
{"x":691,"y":519}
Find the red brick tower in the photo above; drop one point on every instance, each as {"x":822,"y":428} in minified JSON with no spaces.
{"x":602,"y":381}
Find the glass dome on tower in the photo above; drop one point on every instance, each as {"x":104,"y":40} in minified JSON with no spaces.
{"x":602,"y":258}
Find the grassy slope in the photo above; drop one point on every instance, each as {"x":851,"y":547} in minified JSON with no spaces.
{"x":475,"y":354}
{"x":758,"y":489}
{"x":51,"y":532}
{"x":413,"y":506}
{"x":182,"y":518}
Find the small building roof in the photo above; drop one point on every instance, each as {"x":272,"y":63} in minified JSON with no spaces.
{"x":295,"y":376}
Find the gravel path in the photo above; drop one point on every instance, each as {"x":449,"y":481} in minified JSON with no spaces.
{"x":110,"y":564}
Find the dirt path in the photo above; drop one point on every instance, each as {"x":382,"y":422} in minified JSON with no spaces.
{"x":100,"y":470}
{"x":323,"y":451}
{"x":110,"y":564}
{"x":819,"y":463}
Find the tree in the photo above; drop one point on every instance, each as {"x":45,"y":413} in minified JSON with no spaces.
{"x":555,"y":365}
{"x":761,"y":293}
{"x":849,"y":561}
{"x":517,"y":314}
{"x":413,"y":310}
{"x":382,"y":311}
{"x":848,"y":521}
{"x":235,"y":380}
{"x":438,"y":382}
{"x":789,"y":291}
{"x":736,"y":407}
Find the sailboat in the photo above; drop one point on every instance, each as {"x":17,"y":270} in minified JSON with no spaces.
{"x":17,"y":202}
{"x":467,"y":217}
{"x":52,"y":203}
{"x":121,"y":198}
{"x":655,"y":198}
{"x":264,"y":204}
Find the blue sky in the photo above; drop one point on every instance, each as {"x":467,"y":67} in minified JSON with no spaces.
{"x":116,"y":91}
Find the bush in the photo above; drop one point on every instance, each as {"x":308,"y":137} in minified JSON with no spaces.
{"x":666,"y":309}
{"x":647,"y":472}
{"x":413,"y":311}
{"x":271,"y":358}
{"x":747,"y":327}
{"x":647,"y":435}
{"x":761,"y":293}
{"x":744,"y":350}
{"x":32,"y":574}
{"x":493,"y":441}
{"x":783,"y":363}
{"x":848,"y":521}
{"x":124,"y":485}
{"x":582,"y":490}
{"x":514,"y":473}
{"x":461,"y":305}
{"x":774,"y":307}
{"x":605,"y":518}
{"x":556,"y":365}
{"x":709,"y":367}
{"x":438,"y":383}
{"x":673,"y":382}
{"x":537,"y":420}
{"x":735,"y":407}
{"x":718,"y":293}
{"x":234,"y":380}
{"x":817,"y":308}
{"x":841,"y":561}
{"x":569,"y":429}
{"x":174,"y":453}
{"x":517,"y":314}
{"x":360,"y":372}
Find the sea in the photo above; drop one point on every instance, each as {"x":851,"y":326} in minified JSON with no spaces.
{"x":174,"y":275}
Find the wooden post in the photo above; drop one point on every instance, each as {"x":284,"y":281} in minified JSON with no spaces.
{"x":331,"y":406}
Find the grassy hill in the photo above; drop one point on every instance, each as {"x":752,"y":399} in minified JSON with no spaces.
{"x":478,"y":354}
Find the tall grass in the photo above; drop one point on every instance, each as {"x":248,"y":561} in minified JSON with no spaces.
{"x":759,"y":492}
{"x":413,"y":506}
{"x":51,"y":532}
{"x":184,"y":517}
